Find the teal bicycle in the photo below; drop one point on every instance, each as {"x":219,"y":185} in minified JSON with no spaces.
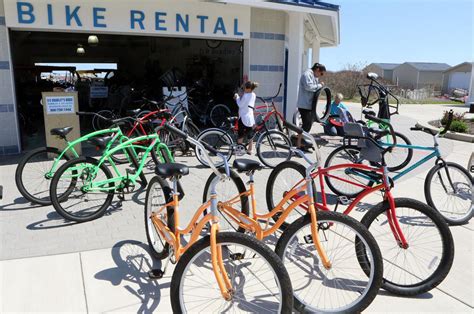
{"x":36,"y":169}
{"x":82,"y":189}
{"x":448,"y":186}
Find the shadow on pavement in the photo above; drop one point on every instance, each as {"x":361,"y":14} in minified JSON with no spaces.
{"x":19,"y":201}
{"x":133,"y":263}
{"x":54,"y":220}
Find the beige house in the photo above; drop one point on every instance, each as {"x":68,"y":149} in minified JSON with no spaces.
{"x":459,"y":76}
{"x":384,"y":70}
{"x":415,"y":75}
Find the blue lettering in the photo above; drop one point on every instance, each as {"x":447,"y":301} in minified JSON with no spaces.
{"x":98,"y":18}
{"x":159,"y":21}
{"x":50,"y":14}
{"x":203,"y":19}
{"x":236,"y":28}
{"x":72,"y":15}
{"x":220,"y":26}
{"x":137,"y":17}
{"x":184,"y":23}
{"x":25,"y":13}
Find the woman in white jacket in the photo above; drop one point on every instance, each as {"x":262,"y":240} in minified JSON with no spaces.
{"x":246,"y":104}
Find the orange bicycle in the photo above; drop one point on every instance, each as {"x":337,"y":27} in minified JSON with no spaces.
{"x":223,"y":271}
{"x":321,"y":250}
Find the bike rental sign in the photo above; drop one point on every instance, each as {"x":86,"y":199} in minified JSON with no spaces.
{"x":147,"y":17}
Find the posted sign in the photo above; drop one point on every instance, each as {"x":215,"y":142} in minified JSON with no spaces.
{"x":59,"y":105}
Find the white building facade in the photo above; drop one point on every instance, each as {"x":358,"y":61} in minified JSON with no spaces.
{"x":279,"y":38}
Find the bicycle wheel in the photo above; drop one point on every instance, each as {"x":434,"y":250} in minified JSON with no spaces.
{"x":226,"y":190}
{"x":273,"y":148}
{"x":282,"y":179}
{"x":260,"y":282}
{"x":399,"y":157}
{"x":430,"y":253}
{"x":158,"y":195}
{"x":100,"y":124}
{"x":297,"y":119}
{"x":219,"y":114}
{"x":82,"y":202}
{"x":322,"y":104}
{"x":452,"y":197}
{"x":34,"y":172}
{"x":346,"y":155}
{"x":346,"y":287}
{"x":218,"y":139}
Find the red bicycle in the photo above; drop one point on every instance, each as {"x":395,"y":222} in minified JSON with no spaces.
{"x":272,"y":141}
{"x":415,"y":241}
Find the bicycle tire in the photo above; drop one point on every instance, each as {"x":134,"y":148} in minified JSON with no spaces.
{"x":159,"y":253}
{"x":99,"y":124}
{"x":373,"y":272}
{"x":244,"y":202}
{"x":58,"y":202}
{"x":352,"y":154}
{"x":218,"y":139}
{"x":219,"y":114}
{"x":269,"y":136}
{"x":408,"y":157}
{"x":324,"y":93}
{"x":46,"y":200}
{"x":280,"y":276}
{"x":442,"y":208}
{"x":391,"y":252}
{"x":273,"y":197}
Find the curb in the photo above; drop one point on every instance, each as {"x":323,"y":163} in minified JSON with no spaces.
{"x":450,"y":135}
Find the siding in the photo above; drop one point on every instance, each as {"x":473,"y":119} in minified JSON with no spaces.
{"x":405,"y":75}
{"x":431,"y":79}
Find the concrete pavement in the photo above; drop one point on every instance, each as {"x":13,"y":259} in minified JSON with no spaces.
{"x":49,"y":265}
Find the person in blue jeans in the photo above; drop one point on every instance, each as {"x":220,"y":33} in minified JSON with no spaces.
{"x":338,"y":117}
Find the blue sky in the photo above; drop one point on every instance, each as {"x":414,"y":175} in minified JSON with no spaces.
{"x":402,"y":30}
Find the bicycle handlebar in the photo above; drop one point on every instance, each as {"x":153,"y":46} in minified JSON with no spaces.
{"x":204,"y":148}
{"x":448,"y":123}
{"x":433,"y":132}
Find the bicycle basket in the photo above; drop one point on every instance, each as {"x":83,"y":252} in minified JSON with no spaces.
{"x":364,"y":97}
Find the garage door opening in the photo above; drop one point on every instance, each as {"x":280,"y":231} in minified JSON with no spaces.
{"x":117,"y":72}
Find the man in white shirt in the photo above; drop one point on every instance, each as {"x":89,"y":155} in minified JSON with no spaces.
{"x":246,"y":105}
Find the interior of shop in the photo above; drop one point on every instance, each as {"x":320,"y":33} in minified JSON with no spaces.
{"x":114,"y":71}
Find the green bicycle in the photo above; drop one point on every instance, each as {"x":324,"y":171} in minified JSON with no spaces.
{"x":83,"y":188}
{"x":36,"y":169}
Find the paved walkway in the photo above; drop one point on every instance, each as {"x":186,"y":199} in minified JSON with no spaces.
{"x":54,"y":266}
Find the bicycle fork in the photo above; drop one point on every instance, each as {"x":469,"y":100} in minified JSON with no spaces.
{"x":218,"y":268}
{"x":314,"y":226}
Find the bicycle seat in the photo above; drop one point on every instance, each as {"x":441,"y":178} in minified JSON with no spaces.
{"x":101,"y":142}
{"x":62,"y":132}
{"x":245,"y":165}
{"x":134,"y":112}
{"x":169,"y":170}
{"x":369,"y":112}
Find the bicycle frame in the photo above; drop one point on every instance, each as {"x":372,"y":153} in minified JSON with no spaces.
{"x":71,"y":144}
{"x":195,"y":227}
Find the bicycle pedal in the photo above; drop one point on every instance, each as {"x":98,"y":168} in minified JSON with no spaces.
{"x":308,"y":239}
{"x":156,"y":274}
{"x":131,"y":171}
{"x":344,"y":200}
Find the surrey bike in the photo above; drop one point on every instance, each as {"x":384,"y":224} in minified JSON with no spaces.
{"x":448,"y":186}
{"x":82,"y":189}
{"x":36,"y":169}
{"x":223,"y":271}
{"x":273,"y":145}
{"x":416,"y":243}
{"x":319,"y":250}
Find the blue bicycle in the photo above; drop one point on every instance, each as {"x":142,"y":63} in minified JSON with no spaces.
{"x":448,"y":186}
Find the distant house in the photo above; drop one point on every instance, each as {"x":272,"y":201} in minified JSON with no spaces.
{"x":415,"y":75}
{"x":459,"y":76}
{"x":384,"y":70}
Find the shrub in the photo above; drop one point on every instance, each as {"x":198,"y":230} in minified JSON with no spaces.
{"x":459,"y":126}
{"x":456,"y":117}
